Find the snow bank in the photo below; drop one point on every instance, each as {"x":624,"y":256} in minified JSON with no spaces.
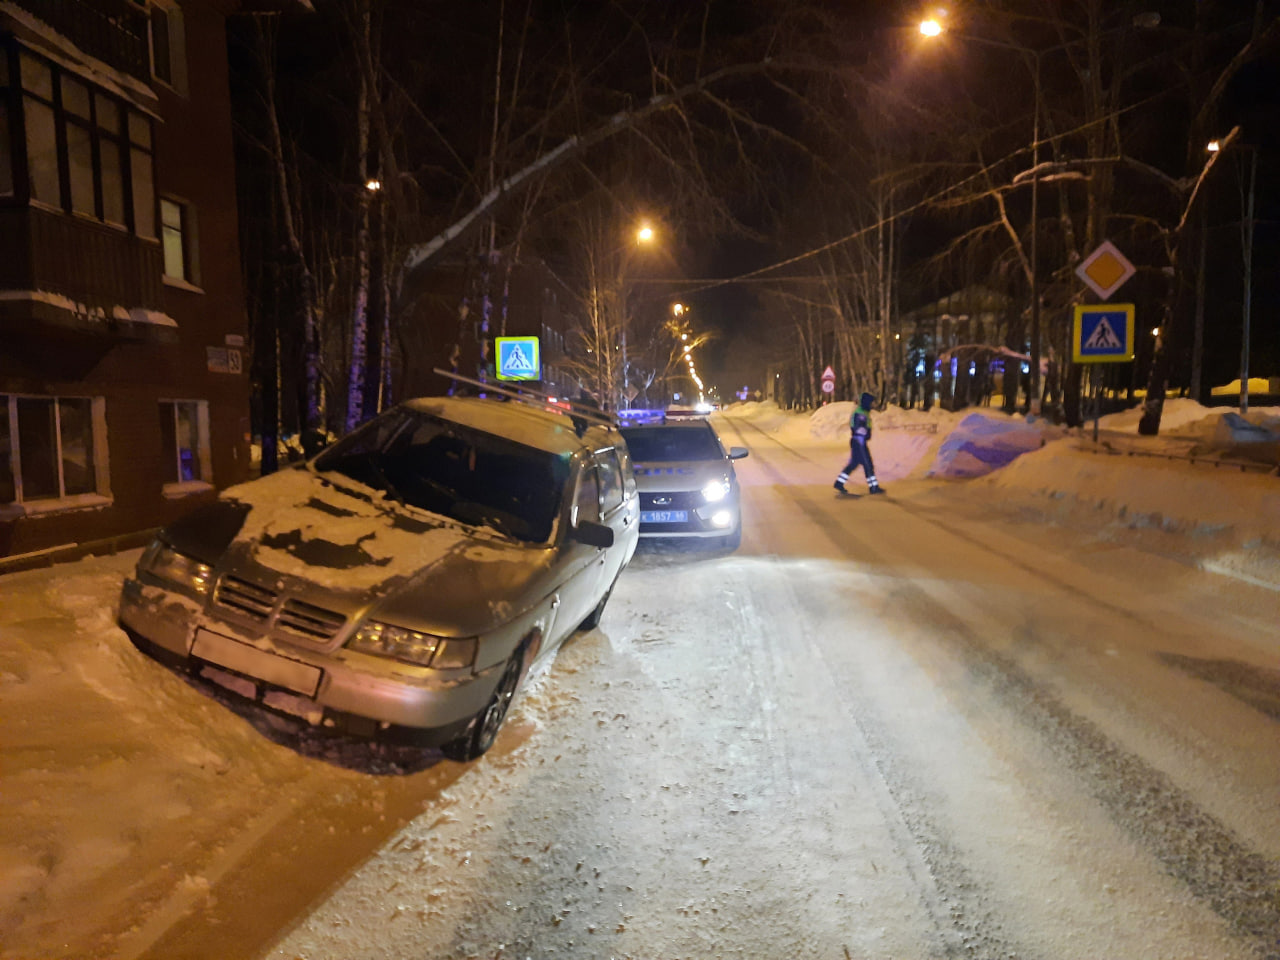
{"x":981,"y":443}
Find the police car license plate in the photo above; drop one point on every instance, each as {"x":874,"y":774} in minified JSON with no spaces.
{"x":664,"y":516}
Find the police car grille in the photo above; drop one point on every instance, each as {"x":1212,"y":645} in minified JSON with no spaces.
{"x":684,"y":500}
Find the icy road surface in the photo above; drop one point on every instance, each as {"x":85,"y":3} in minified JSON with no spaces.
{"x":878,"y":730}
{"x":919,"y":726}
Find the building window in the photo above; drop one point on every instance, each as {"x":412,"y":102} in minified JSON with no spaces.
{"x":168,"y":46}
{"x":50,"y":448}
{"x":79,"y":158}
{"x":177,"y":233}
{"x":184,"y":438}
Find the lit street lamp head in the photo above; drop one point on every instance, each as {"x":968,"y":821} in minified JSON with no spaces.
{"x":930,"y":27}
{"x":644,"y":234}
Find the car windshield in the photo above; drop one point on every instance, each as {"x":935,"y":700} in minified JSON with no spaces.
{"x":657,"y":444}
{"x":455,"y":471}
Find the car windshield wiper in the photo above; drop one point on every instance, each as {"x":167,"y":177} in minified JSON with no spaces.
{"x":387,"y":485}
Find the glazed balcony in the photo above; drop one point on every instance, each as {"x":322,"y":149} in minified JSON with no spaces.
{"x":112,"y":31}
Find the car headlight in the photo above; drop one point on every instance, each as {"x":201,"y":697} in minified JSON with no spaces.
{"x":715,"y":490}
{"x":410,"y":646}
{"x":161,"y":560}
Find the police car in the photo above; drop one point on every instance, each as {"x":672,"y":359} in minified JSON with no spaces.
{"x":687,"y":483}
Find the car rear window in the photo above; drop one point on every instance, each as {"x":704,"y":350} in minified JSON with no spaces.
{"x":455,"y":471}
{"x":657,"y":444}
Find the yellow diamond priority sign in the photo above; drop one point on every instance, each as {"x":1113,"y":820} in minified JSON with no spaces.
{"x":1105,"y":270}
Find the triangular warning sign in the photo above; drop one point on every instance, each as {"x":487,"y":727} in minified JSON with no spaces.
{"x":517,"y":361}
{"x":1103,"y":338}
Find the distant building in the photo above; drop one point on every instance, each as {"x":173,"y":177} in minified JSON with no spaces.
{"x":124,"y":399}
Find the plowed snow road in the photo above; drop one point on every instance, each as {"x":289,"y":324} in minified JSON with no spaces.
{"x":883,"y":728}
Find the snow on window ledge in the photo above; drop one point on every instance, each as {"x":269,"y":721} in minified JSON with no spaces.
{"x":83,"y":501}
{"x":181,"y":284}
{"x":186,"y":488}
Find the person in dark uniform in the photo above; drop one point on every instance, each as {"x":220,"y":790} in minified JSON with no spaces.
{"x":859,"y":451}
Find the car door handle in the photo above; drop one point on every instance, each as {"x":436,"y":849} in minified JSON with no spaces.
{"x":555,"y":602}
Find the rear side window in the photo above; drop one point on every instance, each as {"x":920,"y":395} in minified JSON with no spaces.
{"x":610,"y":480}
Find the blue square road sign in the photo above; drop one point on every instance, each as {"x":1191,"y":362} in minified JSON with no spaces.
{"x":518,"y":358}
{"x":1102,"y":333}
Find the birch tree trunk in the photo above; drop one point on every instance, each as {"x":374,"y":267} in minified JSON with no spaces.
{"x":360,"y":308}
{"x":305,"y":307}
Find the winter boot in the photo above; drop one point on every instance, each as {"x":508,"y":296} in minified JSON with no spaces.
{"x":839,"y":484}
{"x":873,"y":485}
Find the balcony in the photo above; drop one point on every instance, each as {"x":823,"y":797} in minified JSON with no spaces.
{"x":112,"y":31}
{"x":70,"y":290}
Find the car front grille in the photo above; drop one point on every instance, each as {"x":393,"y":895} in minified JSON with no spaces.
{"x":681,"y":500}
{"x":295,"y":616}
{"x":309,"y":620}
{"x":245,"y":598}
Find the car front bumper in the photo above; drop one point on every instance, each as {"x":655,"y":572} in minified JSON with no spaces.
{"x":698,"y":524}
{"x":340,"y":684}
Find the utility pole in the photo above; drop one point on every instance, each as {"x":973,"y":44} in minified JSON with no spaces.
{"x":1247,"y":228}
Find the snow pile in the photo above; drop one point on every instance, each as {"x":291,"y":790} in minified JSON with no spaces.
{"x":1176,"y":415}
{"x":1234,"y":436}
{"x":981,"y":443}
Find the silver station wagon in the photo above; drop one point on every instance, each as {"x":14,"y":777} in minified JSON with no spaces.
{"x":405,"y":580}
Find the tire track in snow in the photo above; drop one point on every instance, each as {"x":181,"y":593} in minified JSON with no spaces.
{"x":1240,"y":885}
{"x":956,"y":902}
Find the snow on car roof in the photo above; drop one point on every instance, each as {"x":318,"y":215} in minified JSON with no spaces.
{"x":521,"y":422}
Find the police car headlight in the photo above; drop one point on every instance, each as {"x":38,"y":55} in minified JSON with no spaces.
{"x":162,"y":561}
{"x":715,"y":491}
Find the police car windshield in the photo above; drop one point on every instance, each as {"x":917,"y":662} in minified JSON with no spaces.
{"x":658,"y":444}
{"x":454,"y":471}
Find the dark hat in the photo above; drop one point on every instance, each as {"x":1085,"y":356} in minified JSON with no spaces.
{"x":867,"y":401}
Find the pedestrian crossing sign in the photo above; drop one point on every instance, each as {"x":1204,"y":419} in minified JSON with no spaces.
{"x":518,"y":358}
{"x":1103,"y":333}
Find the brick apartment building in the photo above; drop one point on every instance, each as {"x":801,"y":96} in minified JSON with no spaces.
{"x":124,"y":398}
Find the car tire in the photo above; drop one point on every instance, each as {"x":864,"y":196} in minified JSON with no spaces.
{"x":593,"y":618}
{"x":733,"y":541}
{"x":483,"y":731}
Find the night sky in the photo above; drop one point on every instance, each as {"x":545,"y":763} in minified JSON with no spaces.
{"x":775,"y":164}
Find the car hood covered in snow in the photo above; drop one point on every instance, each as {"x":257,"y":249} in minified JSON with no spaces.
{"x":344,"y":549}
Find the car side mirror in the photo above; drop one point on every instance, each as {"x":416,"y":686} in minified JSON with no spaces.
{"x":737,"y":453}
{"x":592,"y":534}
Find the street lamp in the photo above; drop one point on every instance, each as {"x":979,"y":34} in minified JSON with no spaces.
{"x":1247,"y":248}
{"x":933,"y":28}
{"x":644,"y":235}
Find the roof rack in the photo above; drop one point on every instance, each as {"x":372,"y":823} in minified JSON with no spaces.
{"x":580,"y":413}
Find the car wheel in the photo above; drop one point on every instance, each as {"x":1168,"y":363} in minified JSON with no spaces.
{"x":484,"y":730}
{"x":593,"y":618}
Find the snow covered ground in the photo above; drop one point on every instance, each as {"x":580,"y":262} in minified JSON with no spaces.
{"x":138,"y":812}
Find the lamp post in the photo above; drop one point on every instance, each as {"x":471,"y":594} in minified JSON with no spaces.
{"x":644,"y":236}
{"x":1246,"y":243}
{"x":934,"y":28}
